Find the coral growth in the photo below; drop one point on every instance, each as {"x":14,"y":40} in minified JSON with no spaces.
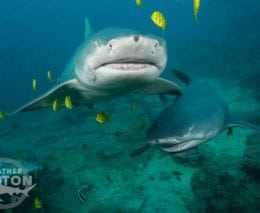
{"x":220,"y":187}
{"x":251,"y":160}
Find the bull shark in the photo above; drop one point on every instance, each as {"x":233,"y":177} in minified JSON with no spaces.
{"x":196,"y":116}
{"x":108,"y":64}
{"x":11,"y":190}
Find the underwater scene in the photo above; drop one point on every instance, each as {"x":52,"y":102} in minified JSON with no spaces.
{"x":130,"y":106}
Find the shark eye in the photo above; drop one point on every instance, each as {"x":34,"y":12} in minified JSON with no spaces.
{"x":178,"y":138}
{"x":110,"y":45}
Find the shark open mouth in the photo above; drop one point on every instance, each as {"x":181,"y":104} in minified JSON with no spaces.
{"x":178,"y":147}
{"x":129,"y":66}
{"x":168,"y":145}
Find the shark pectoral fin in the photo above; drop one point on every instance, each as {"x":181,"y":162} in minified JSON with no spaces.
{"x":59,"y":92}
{"x":140,"y":150}
{"x":161,"y":86}
{"x":188,"y":153}
{"x":235,"y":121}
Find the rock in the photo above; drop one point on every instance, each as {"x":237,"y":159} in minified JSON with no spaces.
{"x":253,"y":139}
{"x":218,"y":187}
{"x":165,"y":175}
{"x":151,"y":177}
{"x":251,"y":160}
{"x":192,"y":160}
{"x":111,"y":209}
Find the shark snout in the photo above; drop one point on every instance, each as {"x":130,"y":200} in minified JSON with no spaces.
{"x":135,"y":48}
{"x":154,"y":44}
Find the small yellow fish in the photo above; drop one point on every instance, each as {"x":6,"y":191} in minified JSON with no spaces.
{"x":34,"y":84}
{"x":101,"y":118}
{"x":139,"y":3}
{"x":196,"y":7}
{"x":68,"y":103}
{"x":141,"y":124}
{"x":38,"y":203}
{"x":55,"y":105}
{"x":3,"y":115}
{"x":133,"y":105}
{"x":49,"y":75}
{"x":159,"y":19}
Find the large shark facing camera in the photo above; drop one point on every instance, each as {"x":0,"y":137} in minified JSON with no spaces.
{"x":110,"y":63}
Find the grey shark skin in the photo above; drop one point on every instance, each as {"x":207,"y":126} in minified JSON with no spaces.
{"x":11,"y":190}
{"x":197,"y":116}
{"x":110,"y":63}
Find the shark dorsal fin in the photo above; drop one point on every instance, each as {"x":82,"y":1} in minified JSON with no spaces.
{"x":88,"y":29}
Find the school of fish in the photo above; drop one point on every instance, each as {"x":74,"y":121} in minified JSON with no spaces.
{"x":158,"y":18}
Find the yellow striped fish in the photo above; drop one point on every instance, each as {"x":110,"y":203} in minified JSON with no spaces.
{"x":3,"y":115}
{"x":141,"y":124}
{"x":49,"y":75}
{"x":133,"y":105}
{"x":101,"y":118}
{"x":196,"y":7}
{"x":159,"y":19}
{"x":34,"y":84}
{"x":55,"y":105}
{"x":38,"y":204}
{"x":68,"y":103}
{"x":138,"y":3}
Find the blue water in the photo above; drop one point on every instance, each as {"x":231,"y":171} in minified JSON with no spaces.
{"x":41,"y":35}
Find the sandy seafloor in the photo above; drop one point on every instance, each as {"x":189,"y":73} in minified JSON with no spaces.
{"x":74,"y":150}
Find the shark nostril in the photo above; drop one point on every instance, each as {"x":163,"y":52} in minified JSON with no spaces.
{"x":156,"y":44}
{"x":109,"y":47}
{"x":136,"y":38}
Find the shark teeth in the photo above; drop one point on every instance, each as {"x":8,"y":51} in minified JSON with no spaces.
{"x":127,"y":66}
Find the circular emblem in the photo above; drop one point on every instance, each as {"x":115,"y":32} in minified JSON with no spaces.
{"x":15,"y":183}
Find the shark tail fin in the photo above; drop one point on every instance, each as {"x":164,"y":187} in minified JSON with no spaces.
{"x":28,"y":189}
{"x":184,"y":77}
{"x":235,"y":121}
